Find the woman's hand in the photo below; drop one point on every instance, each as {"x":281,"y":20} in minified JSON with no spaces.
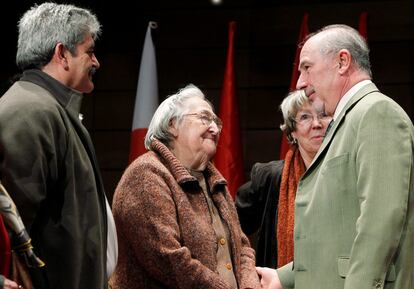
{"x":269,"y":278}
{"x":9,"y":284}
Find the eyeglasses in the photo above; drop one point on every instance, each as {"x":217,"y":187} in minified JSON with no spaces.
{"x":307,"y":118}
{"x":207,"y":119}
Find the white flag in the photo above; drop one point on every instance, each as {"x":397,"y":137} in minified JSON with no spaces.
{"x":146,"y":101}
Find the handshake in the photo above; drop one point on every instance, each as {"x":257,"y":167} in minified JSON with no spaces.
{"x":269,"y":279}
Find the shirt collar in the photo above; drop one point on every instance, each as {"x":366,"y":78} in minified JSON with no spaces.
{"x":347,"y":96}
{"x":69,"y":98}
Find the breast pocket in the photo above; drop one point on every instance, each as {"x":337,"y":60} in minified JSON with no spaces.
{"x":337,"y":161}
{"x":337,"y":173}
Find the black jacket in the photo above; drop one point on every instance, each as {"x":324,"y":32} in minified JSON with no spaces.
{"x":49,"y":167}
{"x":256,"y":203}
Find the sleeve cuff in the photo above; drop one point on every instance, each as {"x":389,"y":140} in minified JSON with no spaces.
{"x":287,"y":276}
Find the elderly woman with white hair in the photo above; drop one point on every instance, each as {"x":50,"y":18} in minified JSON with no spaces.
{"x":176,"y":221}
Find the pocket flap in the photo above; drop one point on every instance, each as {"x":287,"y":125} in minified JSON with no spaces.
{"x":343,"y":267}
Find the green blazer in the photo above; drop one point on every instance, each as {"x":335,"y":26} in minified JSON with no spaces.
{"x":354,"y":219}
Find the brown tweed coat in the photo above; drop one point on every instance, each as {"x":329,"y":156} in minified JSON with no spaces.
{"x":166,"y":239}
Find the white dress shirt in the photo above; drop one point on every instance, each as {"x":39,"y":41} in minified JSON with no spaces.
{"x":348,"y":95}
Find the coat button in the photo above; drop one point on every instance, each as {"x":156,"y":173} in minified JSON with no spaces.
{"x":377,"y":284}
{"x":228,"y":266}
{"x":222,"y":241}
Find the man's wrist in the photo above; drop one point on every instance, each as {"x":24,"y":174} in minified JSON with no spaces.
{"x":2,"y":281}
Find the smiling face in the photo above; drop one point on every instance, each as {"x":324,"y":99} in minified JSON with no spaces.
{"x":194,"y":138}
{"x":311,"y":123}
{"x":319,"y":74}
{"x":82,"y":65}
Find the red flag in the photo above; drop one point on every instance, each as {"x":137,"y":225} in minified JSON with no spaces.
{"x":5,"y":251}
{"x":363,"y":25}
{"x":146,"y":100}
{"x":304,"y":31}
{"x":229,"y":155}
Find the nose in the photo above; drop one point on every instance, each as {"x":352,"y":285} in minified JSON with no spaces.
{"x":95,"y":61}
{"x":301,"y":83}
{"x":213,"y":128}
{"x":316,"y":122}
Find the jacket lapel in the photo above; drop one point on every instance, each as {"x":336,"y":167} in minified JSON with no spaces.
{"x":337,"y":123}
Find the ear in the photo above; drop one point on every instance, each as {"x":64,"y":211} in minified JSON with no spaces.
{"x":345,"y":61}
{"x":60,"y":55}
{"x":173,"y":127}
{"x":294,"y":134}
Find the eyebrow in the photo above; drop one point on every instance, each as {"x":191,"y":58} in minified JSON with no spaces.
{"x":206,"y":111}
{"x":305,"y":112}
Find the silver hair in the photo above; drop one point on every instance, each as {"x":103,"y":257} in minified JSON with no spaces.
{"x":340,"y":36}
{"x":290,"y":106}
{"x":172,"y":108}
{"x":43,"y":26}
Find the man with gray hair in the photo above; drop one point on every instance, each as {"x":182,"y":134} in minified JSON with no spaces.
{"x":47,"y":160}
{"x":354,"y":207}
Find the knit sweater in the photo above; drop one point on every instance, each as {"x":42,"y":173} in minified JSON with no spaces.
{"x":166,"y":239}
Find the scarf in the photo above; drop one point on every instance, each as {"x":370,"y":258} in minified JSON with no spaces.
{"x":293,"y":169}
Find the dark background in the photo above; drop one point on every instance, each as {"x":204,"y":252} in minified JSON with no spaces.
{"x":191,"y":43}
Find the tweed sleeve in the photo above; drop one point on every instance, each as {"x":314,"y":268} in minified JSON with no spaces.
{"x":249,"y":278}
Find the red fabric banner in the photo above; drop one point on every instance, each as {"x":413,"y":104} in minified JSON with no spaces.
{"x":363,"y":25}
{"x":137,"y":147}
{"x":229,"y":155}
{"x":304,"y":31}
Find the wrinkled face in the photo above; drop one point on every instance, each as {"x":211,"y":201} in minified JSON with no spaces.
{"x":82,"y":66}
{"x":198,"y":133}
{"x":311,"y":123}
{"x":319,"y":74}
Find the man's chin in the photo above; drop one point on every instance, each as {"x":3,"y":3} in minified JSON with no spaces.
{"x":89,"y":88}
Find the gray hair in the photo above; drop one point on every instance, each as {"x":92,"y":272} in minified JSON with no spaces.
{"x":172,"y":108}
{"x":43,"y":26}
{"x":290,"y":106}
{"x":340,"y":36}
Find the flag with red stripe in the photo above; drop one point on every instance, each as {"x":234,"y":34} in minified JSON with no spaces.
{"x":229,"y":155}
{"x":146,"y":100}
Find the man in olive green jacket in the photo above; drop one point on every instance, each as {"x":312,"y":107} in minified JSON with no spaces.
{"x":354,"y":224}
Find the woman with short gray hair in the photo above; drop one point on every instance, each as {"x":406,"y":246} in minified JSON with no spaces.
{"x":265,"y":204}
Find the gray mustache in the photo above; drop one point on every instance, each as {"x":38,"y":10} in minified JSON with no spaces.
{"x":93,"y":71}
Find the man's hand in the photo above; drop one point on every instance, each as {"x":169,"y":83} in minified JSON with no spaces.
{"x":269,"y":278}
